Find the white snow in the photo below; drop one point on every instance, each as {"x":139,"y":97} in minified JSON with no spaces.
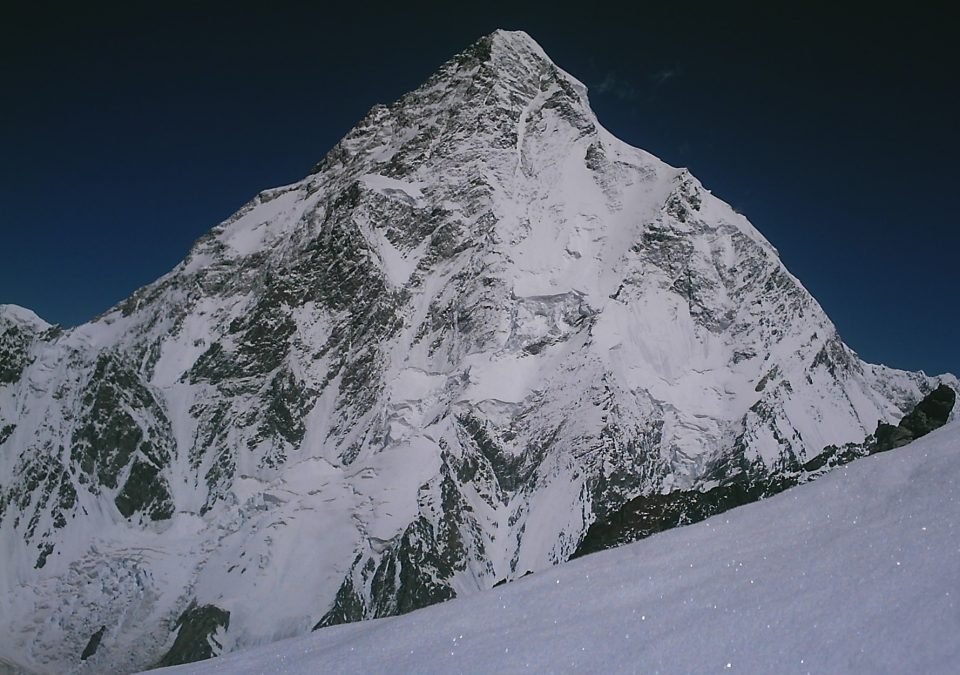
{"x":397,"y":265}
{"x":407,"y":192}
{"x":540,"y":281}
{"x":858,"y":572}
{"x":23,"y":316}
{"x":268,"y":217}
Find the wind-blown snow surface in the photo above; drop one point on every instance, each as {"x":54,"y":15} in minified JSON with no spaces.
{"x":479,"y":325}
{"x":858,"y":572}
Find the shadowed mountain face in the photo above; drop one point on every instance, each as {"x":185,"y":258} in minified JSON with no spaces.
{"x":481,"y":324}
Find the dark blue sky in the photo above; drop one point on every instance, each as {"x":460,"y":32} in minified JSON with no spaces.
{"x":126,"y":133}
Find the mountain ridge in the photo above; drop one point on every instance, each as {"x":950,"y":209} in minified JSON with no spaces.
{"x":480,"y":323}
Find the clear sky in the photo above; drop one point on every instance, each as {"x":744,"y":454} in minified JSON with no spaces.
{"x":126,"y":133}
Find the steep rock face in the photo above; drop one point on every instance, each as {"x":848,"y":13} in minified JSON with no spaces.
{"x":479,"y":325}
{"x":651,"y":513}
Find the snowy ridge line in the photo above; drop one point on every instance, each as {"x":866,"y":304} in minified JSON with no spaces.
{"x":409,"y":376}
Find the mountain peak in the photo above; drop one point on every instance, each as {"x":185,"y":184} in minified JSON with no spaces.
{"x":481,"y":102}
{"x":517,"y":42}
{"x":480,"y":325}
{"x":22,"y":316}
{"x":501,"y":67}
{"x":519,"y":55}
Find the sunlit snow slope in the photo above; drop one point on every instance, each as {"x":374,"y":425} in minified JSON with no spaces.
{"x":856,"y":573}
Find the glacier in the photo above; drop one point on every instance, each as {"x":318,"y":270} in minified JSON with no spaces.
{"x":479,"y":325}
{"x":855,"y":573}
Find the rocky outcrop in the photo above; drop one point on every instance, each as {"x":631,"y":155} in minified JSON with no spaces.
{"x":197,"y":630}
{"x":648,"y":514}
{"x":931,"y":413}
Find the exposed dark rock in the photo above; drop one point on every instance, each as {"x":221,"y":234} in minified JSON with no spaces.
{"x":833,"y":456}
{"x":46,"y":548}
{"x":509,"y":580}
{"x":14,"y":347}
{"x":145,"y":491}
{"x":889,"y":437}
{"x":347,"y":607}
{"x":109,"y":439}
{"x":93,"y":644}
{"x":6,"y":432}
{"x":931,"y":413}
{"x":648,"y":514}
{"x":511,"y":470}
{"x":414,"y":572}
{"x":195,"y":635}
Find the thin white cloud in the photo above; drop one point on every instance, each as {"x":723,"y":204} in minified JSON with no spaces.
{"x":614,"y":85}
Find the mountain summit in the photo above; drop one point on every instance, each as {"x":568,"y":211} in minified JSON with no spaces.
{"x":481,"y":324}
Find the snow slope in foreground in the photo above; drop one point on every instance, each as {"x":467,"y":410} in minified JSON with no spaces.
{"x":857,"y":572}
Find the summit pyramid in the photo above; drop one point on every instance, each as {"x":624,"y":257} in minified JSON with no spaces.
{"x":481,"y":324}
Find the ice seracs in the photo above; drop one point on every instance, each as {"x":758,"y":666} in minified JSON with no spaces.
{"x":853,"y":573}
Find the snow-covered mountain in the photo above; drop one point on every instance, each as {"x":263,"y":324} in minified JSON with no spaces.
{"x":479,"y":325}
{"x":856,"y":573}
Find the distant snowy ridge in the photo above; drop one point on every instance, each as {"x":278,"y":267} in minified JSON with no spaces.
{"x":855,"y":573}
{"x":480,"y":325}
{"x":648,"y":514}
